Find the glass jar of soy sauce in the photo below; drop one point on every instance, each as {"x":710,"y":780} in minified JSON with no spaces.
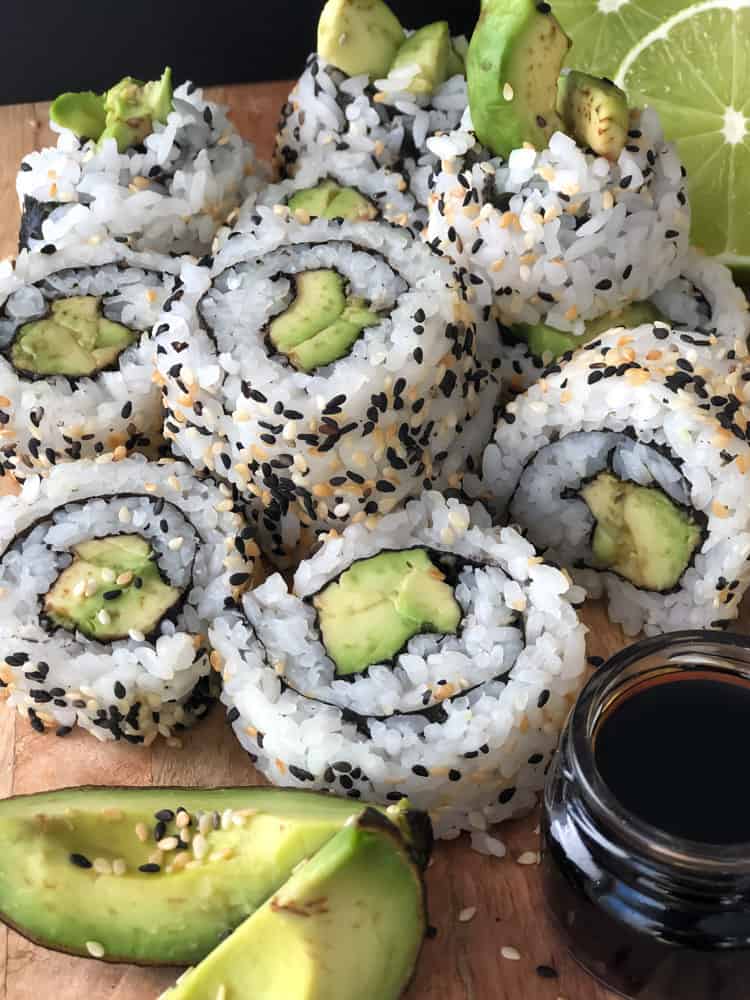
{"x":646,"y":826}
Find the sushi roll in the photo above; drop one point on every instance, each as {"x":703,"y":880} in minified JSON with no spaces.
{"x":76,"y":356}
{"x":329,"y":371}
{"x":425,"y":655}
{"x":158,"y":169}
{"x":703,"y":302}
{"x":627,"y":464}
{"x":373,"y":93}
{"x":109,"y":576}
{"x":330,"y":185}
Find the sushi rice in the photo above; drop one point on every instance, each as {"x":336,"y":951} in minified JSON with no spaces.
{"x":659,"y":408}
{"x":170,"y":195}
{"x":464,"y":725}
{"x":49,"y":418}
{"x":141,"y":686}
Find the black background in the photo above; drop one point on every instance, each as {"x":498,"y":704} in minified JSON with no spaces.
{"x":49,"y":46}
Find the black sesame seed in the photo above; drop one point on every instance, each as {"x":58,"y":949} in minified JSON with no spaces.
{"x":120,"y":690}
{"x":604,"y":285}
{"x":506,"y":795}
{"x":542,"y":699}
{"x":149,"y":869}
{"x":546,"y":972}
{"x":164,"y":815}
{"x":233,"y":714}
{"x":80,"y":861}
{"x":454,"y":775}
{"x":420,"y":771}
{"x":48,"y":248}
{"x":111,"y":595}
{"x":160,"y":831}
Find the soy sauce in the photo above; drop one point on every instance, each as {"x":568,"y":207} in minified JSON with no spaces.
{"x":670,"y":749}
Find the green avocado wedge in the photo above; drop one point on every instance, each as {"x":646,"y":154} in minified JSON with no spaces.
{"x":73,"y":876}
{"x":514,"y":61}
{"x":349,"y":923}
{"x":359,"y":36}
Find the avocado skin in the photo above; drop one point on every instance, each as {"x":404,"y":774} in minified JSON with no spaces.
{"x":350,"y":922}
{"x":515,"y":45}
{"x":595,"y":111}
{"x":430,"y":49}
{"x":639,"y":532}
{"x":327,"y":815}
{"x":359,"y":36}
{"x":544,"y":340}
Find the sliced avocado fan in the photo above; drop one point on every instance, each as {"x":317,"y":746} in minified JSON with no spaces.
{"x":364,"y":37}
{"x":548,"y":343}
{"x":74,"y":340}
{"x":322,"y":323}
{"x":640,"y":533}
{"x":328,"y":200}
{"x":349,"y":923}
{"x":514,"y":62}
{"x":126,"y":112}
{"x":78,"y":874}
{"x":371,"y":611}
{"x":595,"y":112}
{"x":112,"y":587}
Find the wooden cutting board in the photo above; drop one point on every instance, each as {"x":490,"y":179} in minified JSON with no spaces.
{"x":464,"y":961}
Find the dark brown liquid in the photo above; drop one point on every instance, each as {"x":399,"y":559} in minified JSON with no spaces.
{"x":673,"y":749}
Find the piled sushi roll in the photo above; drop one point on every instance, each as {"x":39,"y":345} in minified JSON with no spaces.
{"x":627,"y":463}
{"x":76,"y":353}
{"x":426,"y":655}
{"x":158,"y":169}
{"x":373,"y":93}
{"x":109,"y":577}
{"x":329,"y":370}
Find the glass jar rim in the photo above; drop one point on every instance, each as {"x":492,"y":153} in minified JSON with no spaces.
{"x":649,"y":840}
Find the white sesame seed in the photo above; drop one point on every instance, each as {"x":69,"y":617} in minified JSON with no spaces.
{"x":205,"y":824}
{"x":528,"y":858}
{"x":124,"y":516}
{"x":175,"y":543}
{"x":168,"y":843}
{"x":512,"y":954}
{"x":124,"y":579}
{"x":226,"y":819}
{"x":200,"y":845}
{"x":102,"y":866}
{"x":91,"y":587}
{"x":119,"y":867}
{"x":136,"y":635}
{"x":508,"y":92}
{"x":467,"y":914}
{"x":79,"y":588}
{"x":141,"y":832}
{"x":182,"y":820}
{"x":108,"y":575}
{"x":95,"y":949}
{"x":103,"y":617}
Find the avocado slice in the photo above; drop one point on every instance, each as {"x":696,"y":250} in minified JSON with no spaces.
{"x":359,"y":36}
{"x":53,"y":844}
{"x":74,"y":340}
{"x":640,"y":533}
{"x":430,"y":49}
{"x":514,"y":61}
{"x":456,"y":65}
{"x":112,"y":587}
{"x":132,"y":107}
{"x":371,"y":611}
{"x":83,"y":113}
{"x":321,"y":324}
{"x":595,"y":112}
{"x":350,"y":922}
{"x":544,"y":340}
{"x":328,"y":200}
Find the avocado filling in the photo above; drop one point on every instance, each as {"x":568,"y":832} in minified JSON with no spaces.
{"x":331,"y":201}
{"x":126,"y":112}
{"x":371,"y":611}
{"x":429,"y":49}
{"x":112,"y":588}
{"x":640,"y":533}
{"x":322,"y":323}
{"x":74,"y":340}
{"x":544,"y":340}
{"x":595,"y":112}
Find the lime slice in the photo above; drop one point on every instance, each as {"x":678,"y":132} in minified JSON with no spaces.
{"x":691,"y":63}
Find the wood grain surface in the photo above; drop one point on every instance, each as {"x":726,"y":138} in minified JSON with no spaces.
{"x":463,"y":962}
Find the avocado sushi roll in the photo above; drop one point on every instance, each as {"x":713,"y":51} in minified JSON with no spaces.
{"x":156,"y":168}
{"x":426,"y":655}
{"x":627,"y":464}
{"x":329,"y":370}
{"x":76,"y":356}
{"x":373,"y":93}
{"x":109,"y":576}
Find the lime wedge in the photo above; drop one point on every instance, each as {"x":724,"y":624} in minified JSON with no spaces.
{"x":691,"y":63}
